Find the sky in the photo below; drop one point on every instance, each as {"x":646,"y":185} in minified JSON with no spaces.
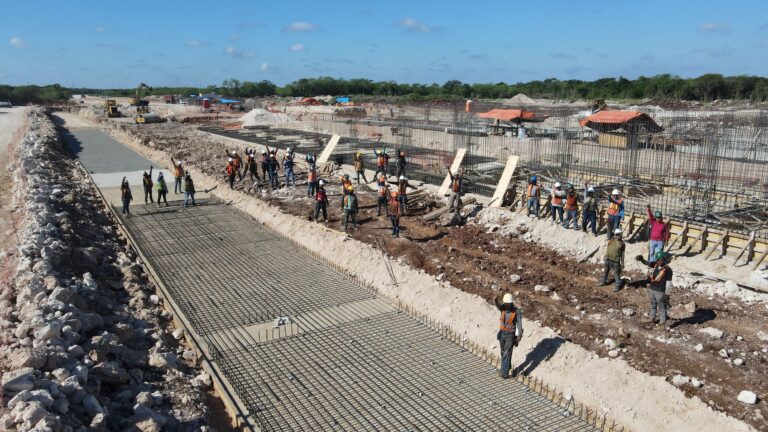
{"x":117,"y":44}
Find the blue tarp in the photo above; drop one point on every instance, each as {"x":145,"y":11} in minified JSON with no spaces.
{"x":228,"y":101}
{"x":342,"y":99}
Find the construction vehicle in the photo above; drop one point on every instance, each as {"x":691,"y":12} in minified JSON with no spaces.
{"x":142,"y":106}
{"x":110,"y":106}
{"x":170,"y":99}
{"x":148,"y":117}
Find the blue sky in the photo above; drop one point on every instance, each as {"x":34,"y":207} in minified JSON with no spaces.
{"x":119,"y":44}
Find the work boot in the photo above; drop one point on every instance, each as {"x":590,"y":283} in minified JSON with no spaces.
{"x":601,"y":284}
{"x":617,"y":288}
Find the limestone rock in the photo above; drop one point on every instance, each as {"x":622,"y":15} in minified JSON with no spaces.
{"x":18,"y":379}
{"x":747,"y":397}
{"x":712,"y":332}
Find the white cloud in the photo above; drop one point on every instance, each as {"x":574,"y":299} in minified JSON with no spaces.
{"x":235,"y":53}
{"x":721,"y":27}
{"x":264,"y":67}
{"x":411,"y":25}
{"x":17,"y":42}
{"x":100,"y":29}
{"x":300,"y":26}
{"x":194,"y":43}
{"x":296,"y":47}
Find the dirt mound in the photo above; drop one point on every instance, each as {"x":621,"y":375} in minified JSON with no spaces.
{"x":262,"y":117}
{"x":520,"y":99}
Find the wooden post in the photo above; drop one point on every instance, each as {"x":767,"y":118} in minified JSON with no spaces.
{"x":701,"y":236}
{"x":759,"y":260}
{"x":722,"y":240}
{"x":506,"y":176}
{"x":749,"y":245}
{"x":328,"y":149}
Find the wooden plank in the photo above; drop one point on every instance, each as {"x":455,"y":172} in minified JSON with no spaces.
{"x":506,"y":176}
{"x":717,"y":243}
{"x":328,"y":149}
{"x":702,"y":234}
{"x":680,"y":236}
{"x":744,"y":249}
{"x":441,"y":211}
{"x":454,"y":169}
{"x":760,"y":260}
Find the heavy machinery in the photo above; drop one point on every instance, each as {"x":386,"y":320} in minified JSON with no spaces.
{"x":142,"y":106}
{"x":148,"y":117}
{"x":110,"y":107}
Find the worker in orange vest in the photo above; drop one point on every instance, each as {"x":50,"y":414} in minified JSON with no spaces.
{"x":510,"y":332}
{"x":556,"y":203}
{"x":534,"y":195}
{"x":346,"y":183}
{"x":614,"y":212}
{"x":382,"y":159}
{"x":238,"y":162}
{"x":231,"y":172}
{"x":311,"y":180}
{"x":178,"y":175}
{"x":394,"y":213}
{"x":402,"y":193}
{"x":251,"y":168}
{"x":457,"y":181}
{"x":571,"y":207}
{"x":383,"y":193}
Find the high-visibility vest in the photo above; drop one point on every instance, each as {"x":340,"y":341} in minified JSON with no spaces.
{"x":456,"y":185}
{"x":178,"y":171}
{"x":383,"y":189}
{"x":556,"y":200}
{"x":613,"y":207}
{"x":231,"y":168}
{"x":532,"y":190}
{"x":312,"y":176}
{"x":380,"y":160}
{"x":507,"y":321}
{"x":570,"y":202}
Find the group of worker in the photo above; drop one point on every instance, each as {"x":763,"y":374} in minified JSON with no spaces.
{"x":236,"y":169}
{"x":182,"y":184}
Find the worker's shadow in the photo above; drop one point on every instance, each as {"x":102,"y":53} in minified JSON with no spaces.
{"x":700,"y":316}
{"x":543,"y":351}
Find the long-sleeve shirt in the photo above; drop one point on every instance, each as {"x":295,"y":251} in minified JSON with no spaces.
{"x":658,"y":277}
{"x":659,"y":230}
{"x":518,"y":315}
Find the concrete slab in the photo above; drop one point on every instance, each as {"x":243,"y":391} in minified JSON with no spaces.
{"x":101,"y":153}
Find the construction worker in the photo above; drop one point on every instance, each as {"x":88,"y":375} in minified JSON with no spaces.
{"x":614,"y":259}
{"x":126,"y":196}
{"x":238,"y":162}
{"x":401,"y":162}
{"x":290,"y":180}
{"x":162,"y":189}
{"x":383,"y":193}
{"x":346,"y":183}
{"x":146,"y":181}
{"x":394,"y":211}
{"x":231,"y":170}
{"x":659,"y":286}
{"x":571,"y":207}
{"x":321,"y":202}
{"x":311,"y":180}
{"x":589,"y":212}
{"x":272,"y":167}
{"x":178,"y":175}
{"x":457,"y":181}
{"x":264,"y":165}
{"x":360,"y":167}
{"x":556,"y":203}
{"x":533,"y":192}
{"x":251,"y":168}
{"x":350,"y":208}
{"x":189,"y":189}
{"x":402,"y":193}
{"x":382,"y":159}
{"x":510,"y":332}
{"x":659,"y":233}
{"x":615,"y":211}
{"x":311,"y":159}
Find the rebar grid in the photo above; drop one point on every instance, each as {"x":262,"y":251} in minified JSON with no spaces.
{"x":387,"y":371}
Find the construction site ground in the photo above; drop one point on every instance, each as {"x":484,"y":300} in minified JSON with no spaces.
{"x":482,"y":262}
{"x":372,"y":367}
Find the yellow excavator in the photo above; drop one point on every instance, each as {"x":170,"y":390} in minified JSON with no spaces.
{"x":142,"y":106}
{"x":110,"y":106}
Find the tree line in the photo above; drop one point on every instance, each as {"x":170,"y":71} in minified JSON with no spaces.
{"x":705,"y":88}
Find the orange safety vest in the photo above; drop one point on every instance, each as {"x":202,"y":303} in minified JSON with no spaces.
{"x":507,"y":321}
{"x":380,"y":160}
{"x":529,"y":192}
{"x":613,"y":207}
{"x":312,"y":176}
{"x":383,"y":189}
{"x":230,"y":169}
{"x":237,"y":161}
{"x":556,"y":200}
{"x":178,"y":171}
{"x":345,"y":183}
{"x":570,"y":202}
{"x":456,"y":183}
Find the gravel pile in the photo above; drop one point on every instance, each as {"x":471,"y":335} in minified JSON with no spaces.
{"x":84,"y":342}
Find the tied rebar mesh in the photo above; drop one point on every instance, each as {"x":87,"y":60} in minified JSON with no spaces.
{"x":348,"y":360}
{"x":705,"y":166}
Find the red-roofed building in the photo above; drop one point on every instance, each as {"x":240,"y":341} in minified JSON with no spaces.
{"x":619,"y":128}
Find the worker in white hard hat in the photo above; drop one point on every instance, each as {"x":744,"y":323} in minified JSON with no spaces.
{"x":321,"y":202}
{"x":290,"y":179}
{"x":589,"y":211}
{"x":614,"y":259}
{"x":237,"y":162}
{"x":178,"y":175}
{"x":401,"y":163}
{"x":402,"y":192}
{"x":510,"y":332}
{"x":231,"y":172}
{"x":556,"y":203}
{"x":615,"y":211}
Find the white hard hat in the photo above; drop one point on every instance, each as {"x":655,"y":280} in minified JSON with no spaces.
{"x":591,"y":189}
{"x":178,"y":163}
{"x":507,"y":299}
{"x":616,"y":192}
{"x":402,"y":177}
{"x":617,"y":231}
{"x":289,"y":150}
{"x":231,"y":160}
{"x":557,"y":184}
{"x":322,"y":183}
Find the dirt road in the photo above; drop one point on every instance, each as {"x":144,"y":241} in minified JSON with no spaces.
{"x":11,"y":121}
